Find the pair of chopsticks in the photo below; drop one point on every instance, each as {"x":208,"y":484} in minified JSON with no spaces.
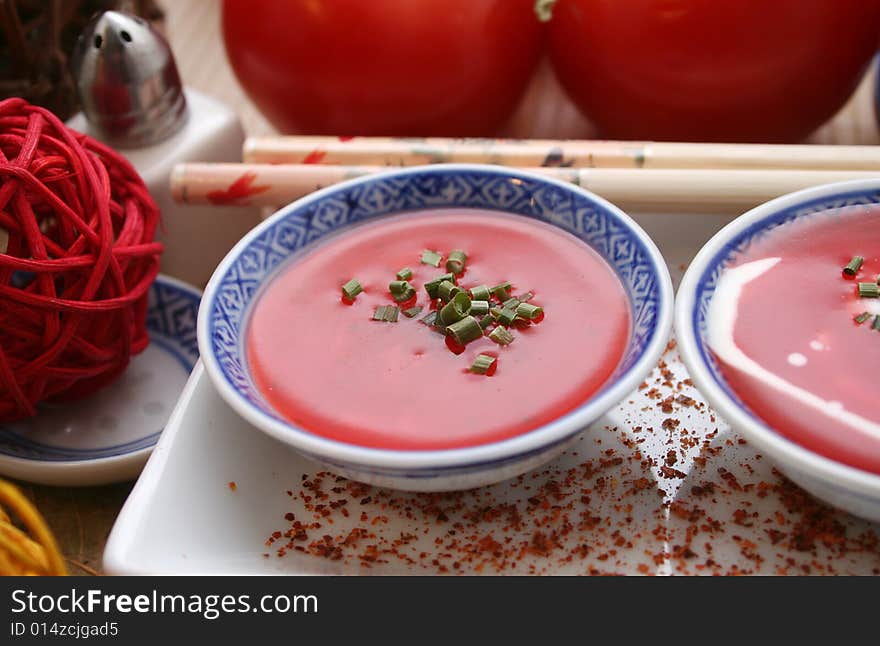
{"x":658,"y":177}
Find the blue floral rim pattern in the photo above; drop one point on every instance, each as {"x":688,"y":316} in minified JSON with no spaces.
{"x":708,"y":281}
{"x":304,"y":223}
{"x":172,"y":312}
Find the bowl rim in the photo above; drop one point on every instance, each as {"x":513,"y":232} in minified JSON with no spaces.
{"x":533,"y":441}
{"x":786,"y":452}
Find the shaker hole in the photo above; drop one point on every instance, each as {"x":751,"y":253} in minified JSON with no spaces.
{"x":98,"y":41}
{"x":125,"y":36}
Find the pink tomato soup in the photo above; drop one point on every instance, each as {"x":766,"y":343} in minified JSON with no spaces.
{"x":797,"y":356}
{"x":324,"y":365}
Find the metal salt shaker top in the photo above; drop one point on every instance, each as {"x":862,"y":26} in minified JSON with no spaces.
{"x":127,"y":81}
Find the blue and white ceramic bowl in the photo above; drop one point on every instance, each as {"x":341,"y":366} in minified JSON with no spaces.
{"x":230,"y":294}
{"x":851,"y":489}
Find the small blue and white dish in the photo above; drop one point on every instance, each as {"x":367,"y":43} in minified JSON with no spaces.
{"x":848,"y":488}
{"x":223,"y":316}
{"x":109,"y":436}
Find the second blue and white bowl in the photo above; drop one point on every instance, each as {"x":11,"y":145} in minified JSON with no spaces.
{"x":840,"y":485}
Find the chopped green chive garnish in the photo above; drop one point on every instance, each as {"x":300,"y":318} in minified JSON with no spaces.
{"x":455,"y":261}
{"x":351,"y":289}
{"x":478,"y":308}
{"x":387,"y":313}
{"x":876,"y":324}
{"x":510,"y":304}
{"x":529,"y":311}
{"x":502,"y":291}
{"x":861,"y":318}
{"x":401,"y":290}
{"x":456,"y":309}
{"x":433,"y":286}
{"x":465,"y":330}
{"x":482,"y":364}
{"x":869,"y":290}
{"x":465,"y":315}
{"x":480,"y":293}
{"x":431,"y":258}
{"x":501,"y":336}
{"x":503,"y":316}
{"x":447,"y":290}
{"x":398,"y":286}
{"x":853,"y":266}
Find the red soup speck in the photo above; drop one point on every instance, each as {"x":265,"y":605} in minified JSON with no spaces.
{"x":326,"y":366}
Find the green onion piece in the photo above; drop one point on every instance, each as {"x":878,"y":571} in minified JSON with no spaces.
{"x":501,"y":291}
{"x":401,"y":290}
{"x":431,"y":258}
{"x":876,"y":324}
{"x":412,"y":312}
{"x":429,"y":319}
{"x":478,"y":308}
{"x":351,"y":289}
{"x":861,"y":318}
{"x":853,"y":266}
{"x":404,"y":274}
{"x":406,"y":295}
{"x":433,"y":286}
{"x":465,"y":330}
{"x":480,"y":293}
{"x":525,"y":298}
{"x":510,"y":304}
{"x":387,"y":313}
{"x":447,"y":290}
{"x":529,"y":311}
{"x":455,"y":261}
{"x":503,"y":316}
{"x":482,"y":364}
{"x":501,"y":336}
{"x":397,"y":286}
{"x":869,"y":290}
{"x":456,"y":309}
{"x":486,"y":321}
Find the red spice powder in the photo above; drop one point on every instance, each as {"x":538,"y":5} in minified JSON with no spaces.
{"x":661,"y":489}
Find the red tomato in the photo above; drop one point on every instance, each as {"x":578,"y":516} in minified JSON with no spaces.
{"x":384,"y":67}
{"x":714,"y":70}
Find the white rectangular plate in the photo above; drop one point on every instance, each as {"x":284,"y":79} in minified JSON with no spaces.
{"x":649,"y":489}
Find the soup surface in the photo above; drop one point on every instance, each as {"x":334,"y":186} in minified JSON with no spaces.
{"x":325,"y":365}
{"x":797,"y":341}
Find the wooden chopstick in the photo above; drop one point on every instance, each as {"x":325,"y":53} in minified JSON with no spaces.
{"x":662,"y":190}
{"x":385,"y":151}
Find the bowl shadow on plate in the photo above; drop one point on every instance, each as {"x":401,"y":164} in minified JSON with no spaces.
{"x":592,"y":510}
{"x":735,"y":513}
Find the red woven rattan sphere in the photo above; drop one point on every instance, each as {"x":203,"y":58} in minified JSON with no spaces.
{"x":76,"y":232}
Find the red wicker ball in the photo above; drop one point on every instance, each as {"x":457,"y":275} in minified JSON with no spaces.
{"x":77,"y":257}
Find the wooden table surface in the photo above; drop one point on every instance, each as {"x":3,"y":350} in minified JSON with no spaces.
{"x":82,"y":518}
